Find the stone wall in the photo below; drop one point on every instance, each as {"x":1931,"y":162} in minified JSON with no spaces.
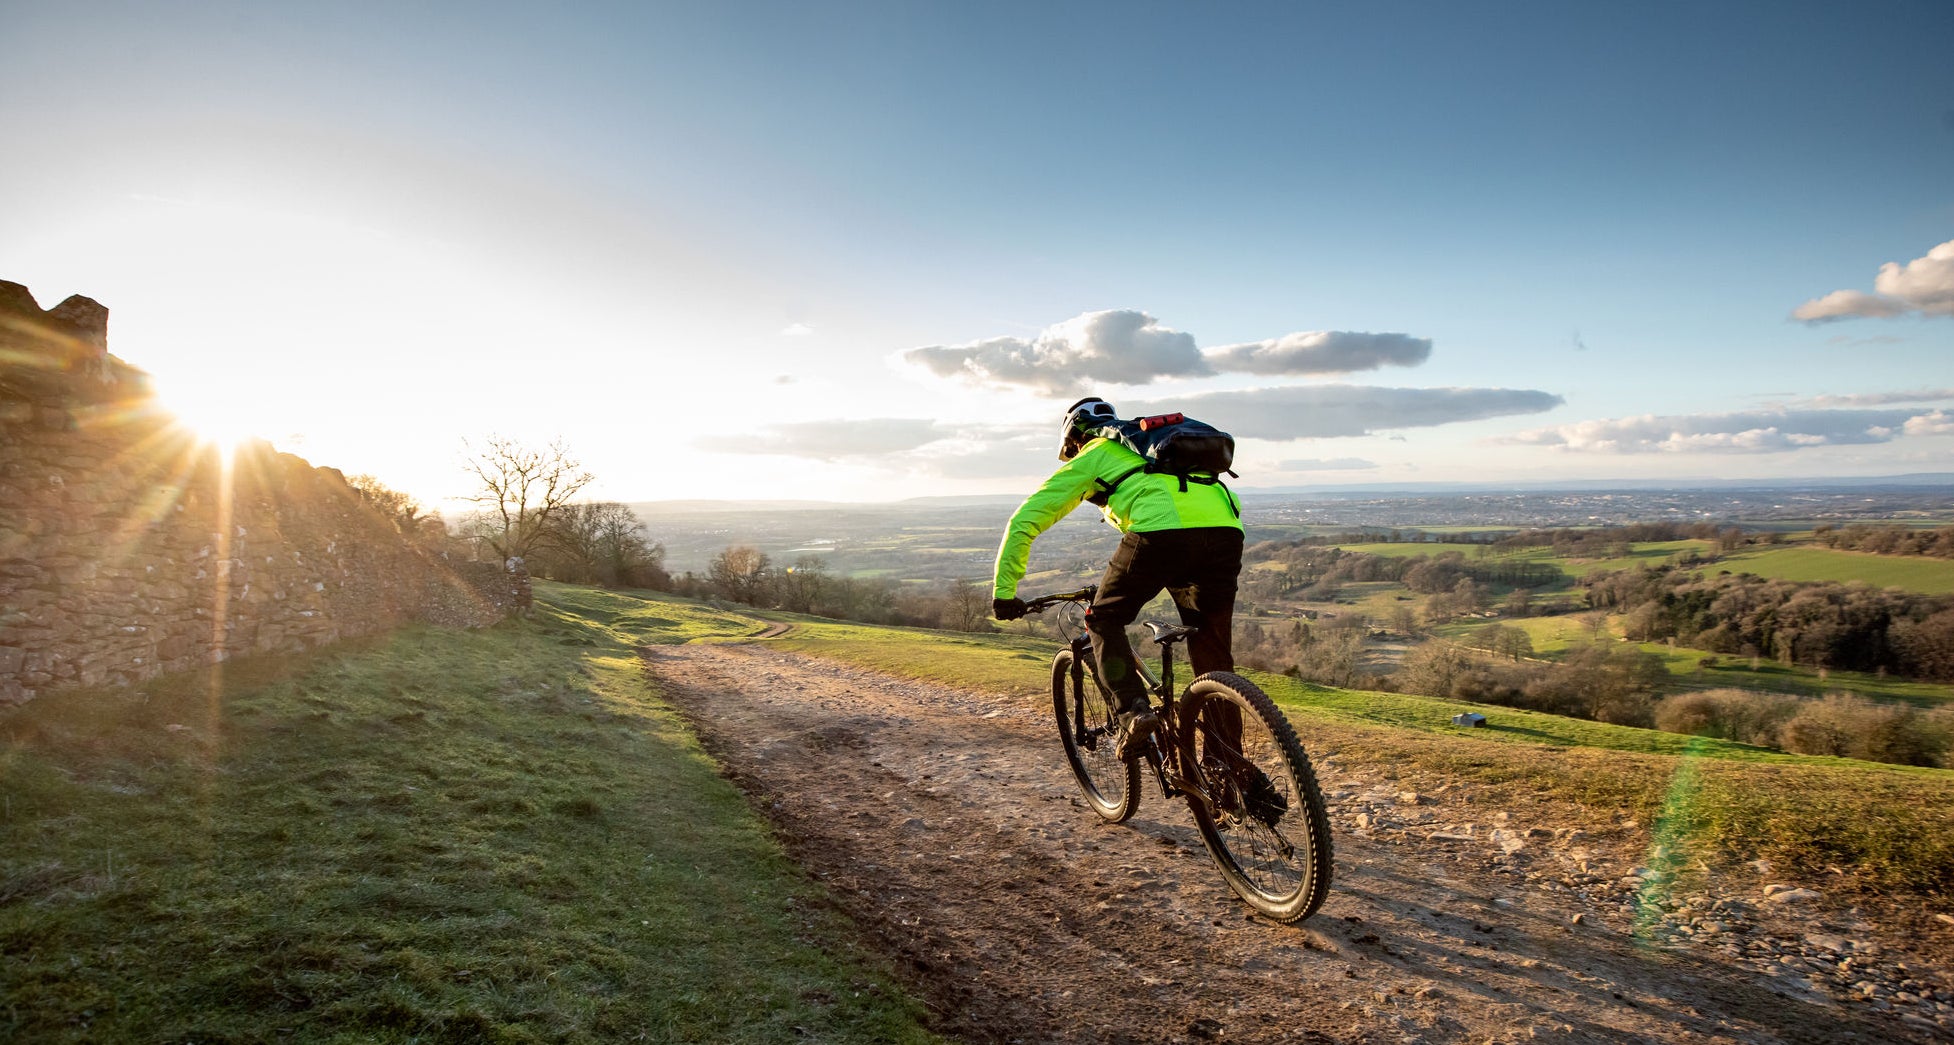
{"x":129,"y":549}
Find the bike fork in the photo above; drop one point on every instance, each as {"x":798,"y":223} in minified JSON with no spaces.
{"x":1079,"y":734}
{"x":1159,"y":765}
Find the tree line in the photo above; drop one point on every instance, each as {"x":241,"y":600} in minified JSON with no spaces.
{"x":1318,"y":574}
{"x":1601,"y":679}
{"x":1824,"y":625}
{"x":528,"y":510}
{"x":1888,"y":540}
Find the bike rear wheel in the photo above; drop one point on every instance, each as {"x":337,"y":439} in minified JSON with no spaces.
{"x":1256,"y":800}
{"x":1089,"y":733}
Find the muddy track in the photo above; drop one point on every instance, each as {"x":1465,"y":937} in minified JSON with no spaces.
{"x":946,"y":825}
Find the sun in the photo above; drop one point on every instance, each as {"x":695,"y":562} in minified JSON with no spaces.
{"x":220,"y":416}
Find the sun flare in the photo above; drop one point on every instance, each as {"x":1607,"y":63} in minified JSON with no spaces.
{"x":221,"y":417}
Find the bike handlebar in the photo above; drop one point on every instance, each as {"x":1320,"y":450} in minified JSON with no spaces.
{"x":1039,"y":604}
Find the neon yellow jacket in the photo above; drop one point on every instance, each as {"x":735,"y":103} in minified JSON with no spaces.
{"x":1145,"y":502}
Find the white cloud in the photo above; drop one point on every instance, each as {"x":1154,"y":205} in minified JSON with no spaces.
{"x":796,"y":330}
{"x":1923,"y":285}
{"x":1321,"y":352}
{"x":1939,"y":422}
{"x":1121,"y":347}
{"x":1324,"y":411}
{"x":1760,"y":431}
{"x":830,"y":440}
{"x":1846,"y":304}
{"x":1129,"y":347}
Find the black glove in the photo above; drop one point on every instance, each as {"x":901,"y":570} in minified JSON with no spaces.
{"x":1007,"y":609}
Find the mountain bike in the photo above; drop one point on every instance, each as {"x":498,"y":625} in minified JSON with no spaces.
{"x":1222,"y":745}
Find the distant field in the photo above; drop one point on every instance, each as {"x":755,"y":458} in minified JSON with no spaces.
{"x":1407,"y":550}
{"x":1782,"y":562}
{"x":1799,"y":563}
{"x":1647,"y":553}
{"x":1377,"y":600}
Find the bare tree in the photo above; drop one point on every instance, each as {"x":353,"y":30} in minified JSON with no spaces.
{"x":969,"y":606}
{"x":521,"y":490}
{"x":802,"y":584}
{"x":741,"y":573}
{"x":600,"y":542}
{"x":626,"y":555}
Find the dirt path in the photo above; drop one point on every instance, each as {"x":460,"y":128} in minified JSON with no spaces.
{"x":946,"y":824}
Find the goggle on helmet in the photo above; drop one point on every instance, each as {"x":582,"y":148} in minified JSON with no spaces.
{"x":1082,"y":416}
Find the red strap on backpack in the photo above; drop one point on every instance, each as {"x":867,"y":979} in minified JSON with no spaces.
{"x":1148,"y":424}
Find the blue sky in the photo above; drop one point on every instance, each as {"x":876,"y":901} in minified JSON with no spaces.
{"x":865,"y":251}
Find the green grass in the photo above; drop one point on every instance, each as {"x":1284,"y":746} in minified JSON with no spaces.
{"x":1802,"y":563}
{"x":996,"y":663}
{"x":1715,"y":804}
{"x":441,"y":836}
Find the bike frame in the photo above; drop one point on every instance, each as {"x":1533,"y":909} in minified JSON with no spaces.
{"x":1164,"y":758}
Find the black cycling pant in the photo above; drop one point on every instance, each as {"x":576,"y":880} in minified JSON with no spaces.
{"x":1199,"y":568}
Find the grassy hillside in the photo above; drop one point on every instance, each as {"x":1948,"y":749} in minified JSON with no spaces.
{"x":1890,"y":825}
{"x":442,"y":836}
{"x":1706,"y":801}
{"x":504,"y":836}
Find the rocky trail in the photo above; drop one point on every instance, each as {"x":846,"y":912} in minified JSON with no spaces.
{"x":946,"y":825}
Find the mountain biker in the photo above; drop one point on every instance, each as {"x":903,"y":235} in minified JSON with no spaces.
{"x":1185,"y":537}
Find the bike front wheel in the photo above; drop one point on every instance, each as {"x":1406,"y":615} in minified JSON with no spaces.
{"x":1255,"y":797}
{"x":1087,"y":729}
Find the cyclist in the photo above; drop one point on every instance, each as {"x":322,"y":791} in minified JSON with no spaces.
{"x":1185,"y":537}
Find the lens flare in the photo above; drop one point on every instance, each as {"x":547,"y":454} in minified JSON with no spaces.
{"x":1669,"y":842}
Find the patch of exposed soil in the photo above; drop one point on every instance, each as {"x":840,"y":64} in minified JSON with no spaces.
{"x":948,"y":826}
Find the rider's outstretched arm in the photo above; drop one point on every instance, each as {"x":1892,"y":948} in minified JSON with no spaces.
{"x":1053,"y":501}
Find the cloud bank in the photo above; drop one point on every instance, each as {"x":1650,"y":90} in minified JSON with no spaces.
{"x":1329,"y":411}
{"x":1751,"y":432}
{"x":1923,"y":285}
{"x":1129,"y":347}
{"x":1321,"y":352}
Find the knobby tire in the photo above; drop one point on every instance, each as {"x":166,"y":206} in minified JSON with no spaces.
{"x":1111,"y":787}
{"x":1281,"y":869}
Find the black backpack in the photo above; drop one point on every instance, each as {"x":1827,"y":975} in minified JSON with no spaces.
{"x":1172,"y":444}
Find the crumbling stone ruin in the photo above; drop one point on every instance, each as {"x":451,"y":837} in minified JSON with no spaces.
{"x":129,"y":549}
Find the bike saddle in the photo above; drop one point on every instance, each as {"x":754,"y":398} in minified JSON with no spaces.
{"x":1165,"y":633}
